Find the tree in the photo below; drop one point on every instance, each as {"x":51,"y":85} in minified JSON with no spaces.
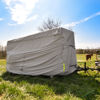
{"x":49,"y":24}
{"x":2,"y":52}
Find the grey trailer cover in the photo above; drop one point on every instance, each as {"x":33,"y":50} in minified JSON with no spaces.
{"x":46,"y":53}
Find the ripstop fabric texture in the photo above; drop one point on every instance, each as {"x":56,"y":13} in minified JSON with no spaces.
{"x":46,"y":53}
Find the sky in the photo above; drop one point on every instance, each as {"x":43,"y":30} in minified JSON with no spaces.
{"x":20,"y":18}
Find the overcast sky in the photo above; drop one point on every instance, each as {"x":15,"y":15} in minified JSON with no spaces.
{"x":22,"y":17}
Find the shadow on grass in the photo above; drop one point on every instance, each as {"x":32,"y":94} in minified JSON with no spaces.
{"x":79,"y":85}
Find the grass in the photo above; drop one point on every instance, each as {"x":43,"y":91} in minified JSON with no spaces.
{"x":77,"y":86}
{"x":2,"y":62}
{"x":81,"y":58}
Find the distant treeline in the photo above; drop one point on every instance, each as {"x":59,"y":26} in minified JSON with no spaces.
{"x":78,"y":51}
{"x":88,"y":51}
{"x":2,"y":52}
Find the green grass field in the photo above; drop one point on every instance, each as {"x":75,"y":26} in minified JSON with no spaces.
{"x":77,"y":86}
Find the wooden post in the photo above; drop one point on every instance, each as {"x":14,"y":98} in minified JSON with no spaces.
{"x":85,"y":66}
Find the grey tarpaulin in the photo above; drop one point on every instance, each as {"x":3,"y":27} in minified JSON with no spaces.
{"x":46,"y":53}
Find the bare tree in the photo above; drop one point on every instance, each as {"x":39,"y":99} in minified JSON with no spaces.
{"x":49,"y":24}
{"x":2,"y":52}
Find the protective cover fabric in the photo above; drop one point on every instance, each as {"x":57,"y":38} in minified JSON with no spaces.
{"x":46,"y":53}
